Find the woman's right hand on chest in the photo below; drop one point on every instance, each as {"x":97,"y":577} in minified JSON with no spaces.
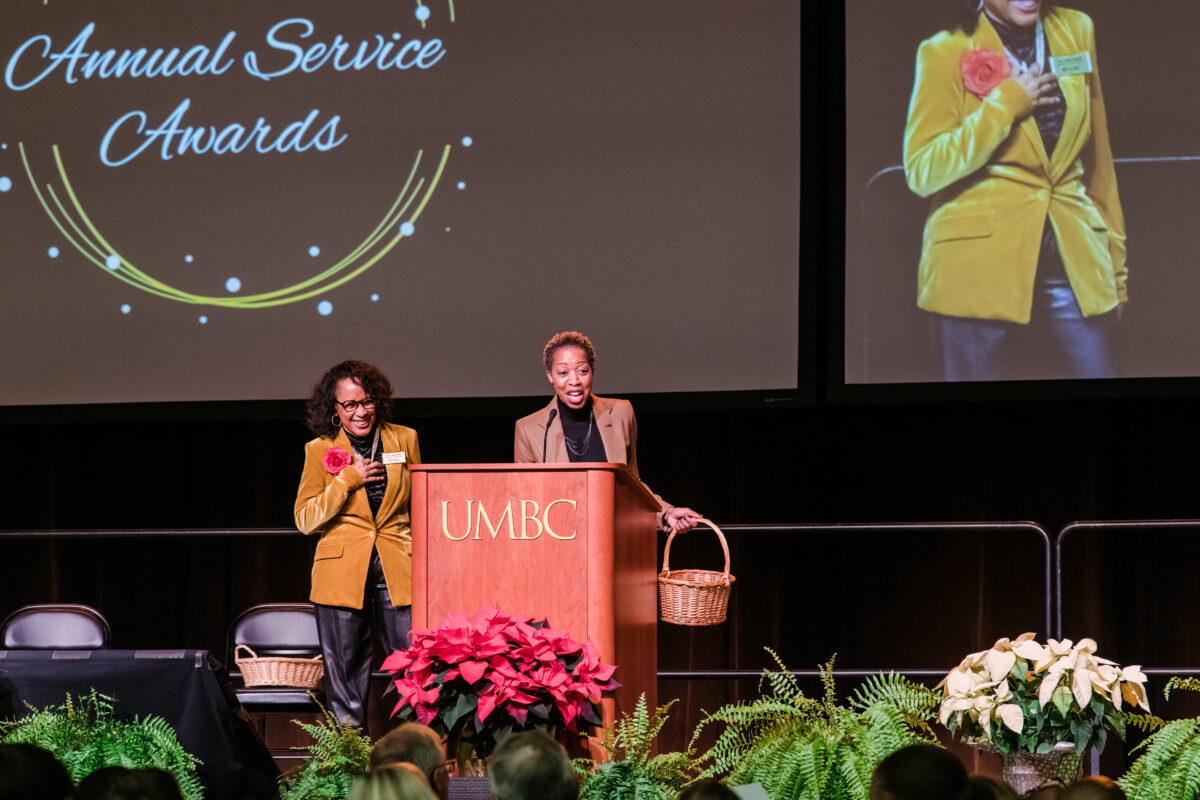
{"x":371,"y":471}
{"x":1039,"y":87}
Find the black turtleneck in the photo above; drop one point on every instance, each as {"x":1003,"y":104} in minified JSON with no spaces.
{"x":362,"y":446}
{"x":1021,"y":43}
{"x":582,"y":434}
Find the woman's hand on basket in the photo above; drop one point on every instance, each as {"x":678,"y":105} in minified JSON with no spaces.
{"x":1039,"y":87}
{"x":681,"y":520}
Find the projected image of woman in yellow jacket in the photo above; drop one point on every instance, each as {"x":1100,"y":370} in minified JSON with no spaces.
{"x":995,"y":188}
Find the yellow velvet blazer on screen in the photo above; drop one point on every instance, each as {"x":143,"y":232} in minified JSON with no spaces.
{"x":994,"y":187}
{"x":336,"y":506}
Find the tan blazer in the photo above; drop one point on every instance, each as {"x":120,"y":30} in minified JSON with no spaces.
{"x":618,"y":431}
{"x":994,"y":187}
{"x":336,"y":506}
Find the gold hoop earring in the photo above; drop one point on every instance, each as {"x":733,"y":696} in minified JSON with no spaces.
{"x":337,"y":421}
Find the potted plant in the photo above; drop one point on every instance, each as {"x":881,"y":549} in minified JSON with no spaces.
{"x":632,"y":772}
{"x":85,"y":736}
{"x":1169,"y":764}
{"x":1040,"y":706}
{"x":801,"y":748}
{"x":476,"y":678}
{"x":339,"y":753}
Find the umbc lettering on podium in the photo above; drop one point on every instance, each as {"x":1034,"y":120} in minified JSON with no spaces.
{"x":534,"y":520}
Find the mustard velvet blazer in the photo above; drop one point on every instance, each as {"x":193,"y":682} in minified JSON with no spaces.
{"x":994,"y":186}
{"x":336,"y":506}
{"x":618,"y":431}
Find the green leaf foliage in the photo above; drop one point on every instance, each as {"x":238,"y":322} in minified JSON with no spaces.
{"x":86,"y":736}
{"x":1169,"y":765}
{"x":339,"y":753}
{"x":800,"y":748}
{"x":633,"y":773}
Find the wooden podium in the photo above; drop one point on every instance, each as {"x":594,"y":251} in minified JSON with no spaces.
{"x":572,"y":543}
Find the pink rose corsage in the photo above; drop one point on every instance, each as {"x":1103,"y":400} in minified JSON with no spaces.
{"x":336,"y":460}
{"x":984,"y":70}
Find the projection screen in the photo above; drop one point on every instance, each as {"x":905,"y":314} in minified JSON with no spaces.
{"x":217,"y":200}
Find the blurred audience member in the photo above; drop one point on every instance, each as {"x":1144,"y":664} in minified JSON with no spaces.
{"x":530,"y":765}
{"x":395,"y":782}
{"x":1050,"y":792}
{"x":28,"y":772}
{"x":919,"y":772}
{"x":989,"y":787}
{"x":419,"y":745}
{"x":122,"y":783}
{"x":1097,"y":787}
{"x":708,"y":790}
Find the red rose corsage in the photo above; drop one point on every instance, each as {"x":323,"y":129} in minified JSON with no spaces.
{"x":984,"y":70}
{"x":336,"y":460}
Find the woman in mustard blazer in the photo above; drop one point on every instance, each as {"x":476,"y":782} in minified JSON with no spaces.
{"x":1025,"y":224}
{"x":354,"y":492}
{"x":578,"y":426}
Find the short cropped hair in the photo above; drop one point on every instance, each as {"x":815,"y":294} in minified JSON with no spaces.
{"x":29,"y":772}
{"x":921,"y":772}
{"x":530,"y":765}
{"x":1095,"y":787}
{"x":391,"y":784}
{"x":708,"y":790}
{"x":416,"y":744}
{"x":123,"y":783}
{"x":568,"y":339}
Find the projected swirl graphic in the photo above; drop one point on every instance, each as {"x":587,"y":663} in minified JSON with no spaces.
{"x":64,"y":209}
{"x":282,"y":49}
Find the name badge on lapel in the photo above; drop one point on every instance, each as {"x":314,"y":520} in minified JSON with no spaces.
{"x":1074,"y":64}
{"x":394,"y":458}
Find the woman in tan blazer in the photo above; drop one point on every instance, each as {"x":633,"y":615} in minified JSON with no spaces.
{"x":354,"y":492}
{"x":578,"y":426}
{"x":1025,"y":224}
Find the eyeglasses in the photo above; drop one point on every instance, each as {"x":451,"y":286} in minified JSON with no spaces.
{"x":351,"y":406}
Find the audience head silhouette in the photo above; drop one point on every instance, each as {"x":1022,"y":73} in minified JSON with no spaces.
{"x":1097,"y":787}
{"x":532,"y":766}
{"x":28,"y":772}
{"x":919,"y":772}
{"x":419,"y":745}
{"x":122,"y":783}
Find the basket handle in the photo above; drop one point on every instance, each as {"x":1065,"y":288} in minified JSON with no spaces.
{"x":666,"y":567}
{"x":237,"y":652}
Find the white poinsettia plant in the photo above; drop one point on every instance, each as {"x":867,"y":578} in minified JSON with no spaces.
{"x":1025,"y":696}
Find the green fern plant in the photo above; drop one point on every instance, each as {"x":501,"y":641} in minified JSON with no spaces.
{"x":86,"y":736}
{"x":1170,"y":763}
{"x":339,"y":753}
{"x":800,"y":748}
{"x":633,"y":773}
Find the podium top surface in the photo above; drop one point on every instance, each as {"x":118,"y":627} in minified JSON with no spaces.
{"x":500,"y":467}
{"x":619,"y":470}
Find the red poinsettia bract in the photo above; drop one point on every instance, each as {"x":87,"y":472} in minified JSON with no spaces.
{"x":477,"y":677}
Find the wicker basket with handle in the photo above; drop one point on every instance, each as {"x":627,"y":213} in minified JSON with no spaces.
{"x":301,"y":673}
{"x":694,"y":596}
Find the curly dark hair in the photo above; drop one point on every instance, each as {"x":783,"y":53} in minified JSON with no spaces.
{"x":322,"y":404}
{"x":568,"y":339}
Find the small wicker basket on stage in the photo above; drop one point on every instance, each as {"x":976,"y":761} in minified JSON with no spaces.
{"x":694,"y":596}
{"x":301,"y":673}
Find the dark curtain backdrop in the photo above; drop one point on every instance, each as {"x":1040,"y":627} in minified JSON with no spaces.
{"x":1046,"y":460}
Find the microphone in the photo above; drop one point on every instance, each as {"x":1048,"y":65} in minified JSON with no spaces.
{"x":553,"y":414}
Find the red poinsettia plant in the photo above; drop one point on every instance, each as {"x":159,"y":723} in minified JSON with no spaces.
{"x":477,"y":678}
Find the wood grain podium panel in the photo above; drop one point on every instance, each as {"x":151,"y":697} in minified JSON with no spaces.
{"x":571,"y":543}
